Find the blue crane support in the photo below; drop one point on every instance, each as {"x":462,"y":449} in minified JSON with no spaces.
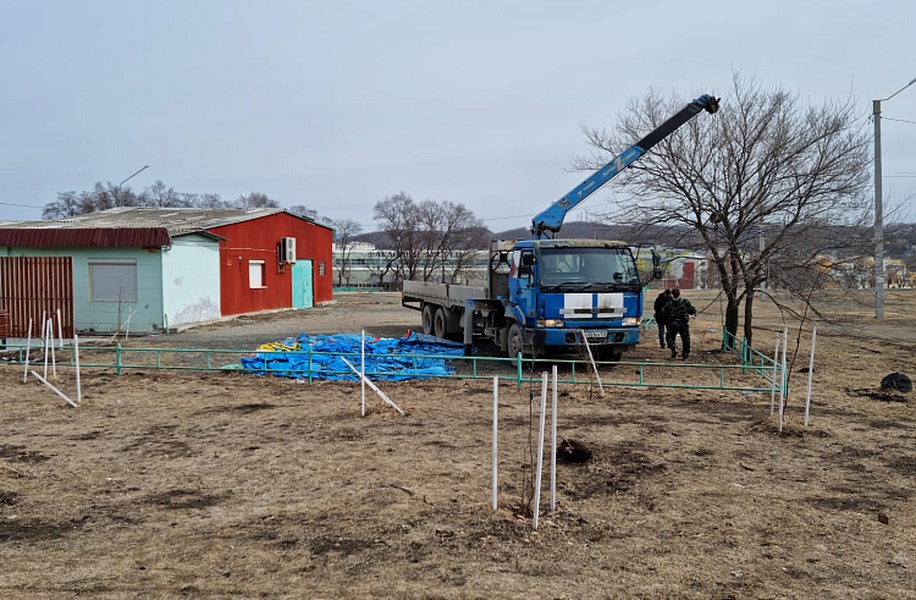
{"x":551,"y":219}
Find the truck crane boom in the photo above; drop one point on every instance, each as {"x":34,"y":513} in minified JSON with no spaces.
{"x":551,"y":219}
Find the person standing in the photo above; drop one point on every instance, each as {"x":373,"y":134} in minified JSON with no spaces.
{"x":660,"y":301}
{"x":677,"y":316}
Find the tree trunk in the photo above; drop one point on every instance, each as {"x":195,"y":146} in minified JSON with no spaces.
{"x":731,"y":319}
{"x":749,"y":318}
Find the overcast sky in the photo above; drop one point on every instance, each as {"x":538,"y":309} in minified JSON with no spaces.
{"x":337,"y":104}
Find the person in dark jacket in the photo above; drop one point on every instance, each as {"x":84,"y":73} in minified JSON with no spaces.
{"x":677,"y":316}
{"x":660,"y":301}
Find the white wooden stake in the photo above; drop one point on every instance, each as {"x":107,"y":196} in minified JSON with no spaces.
{"x":782,"y":396}
{"x":76,"y":356}
{"x":810,"y":375}
{"x":553,"y":444}
{"x":591,"y":359}
{"x":46,"y":340}
{"x":362,"y":377}
{"x":495,"y":467}
{"x":28,"y":350}
{"x":51,"y":347}
{"x":127,"y":324}
{"x":775,"y":372}
{"x":53,"y":389}
{"x":540,"y":460}
{"x":373,"y":386}
{"x":60,"y":330}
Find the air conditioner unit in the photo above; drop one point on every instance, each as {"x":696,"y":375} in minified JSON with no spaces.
{"x":288,"y":250}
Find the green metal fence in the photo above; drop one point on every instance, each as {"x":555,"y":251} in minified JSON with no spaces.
{"x":768,"y":367}
{"x":754,"y":372}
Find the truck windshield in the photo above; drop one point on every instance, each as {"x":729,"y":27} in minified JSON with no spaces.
{"x":581,"y":268}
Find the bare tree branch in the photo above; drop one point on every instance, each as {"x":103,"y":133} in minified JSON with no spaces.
{"x":760,"y":184}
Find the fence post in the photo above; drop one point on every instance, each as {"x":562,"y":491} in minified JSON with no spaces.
{"x":744,"y":356}
{"x":118,"y":361}
{"x":518,"y":363}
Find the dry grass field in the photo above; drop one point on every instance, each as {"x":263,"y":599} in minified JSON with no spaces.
{"x":165,"y":484}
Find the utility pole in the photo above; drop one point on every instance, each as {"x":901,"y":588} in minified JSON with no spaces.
{"x":879,"y":208}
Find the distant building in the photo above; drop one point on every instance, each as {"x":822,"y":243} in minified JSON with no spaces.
{"x":148,"y":269}
{"x":683,"y":269}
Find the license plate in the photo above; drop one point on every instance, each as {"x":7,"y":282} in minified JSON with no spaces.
{"x":595,"y":335}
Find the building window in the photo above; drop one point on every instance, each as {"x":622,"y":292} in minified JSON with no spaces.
{"x":112,"y":280}
{"x":321,"y":269}
{"x":256,"y":280}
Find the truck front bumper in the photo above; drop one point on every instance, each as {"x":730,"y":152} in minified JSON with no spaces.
{"x":571,"y":338}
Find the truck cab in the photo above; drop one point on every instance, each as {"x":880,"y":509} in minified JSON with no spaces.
{"x":564,"y":294}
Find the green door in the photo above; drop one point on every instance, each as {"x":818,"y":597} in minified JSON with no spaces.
{"x":302,"y":284}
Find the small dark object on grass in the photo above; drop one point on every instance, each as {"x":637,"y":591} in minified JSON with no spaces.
{"x":572,"y":451}
{"x":897,"y":381}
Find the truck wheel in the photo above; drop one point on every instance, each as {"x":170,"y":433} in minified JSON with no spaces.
{"x":514,"y":342}
{"x":440,"y":323}
{"x":610,"y":355}
{"x":429,"y":311}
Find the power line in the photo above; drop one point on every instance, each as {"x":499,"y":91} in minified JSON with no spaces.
{"x":899,"y":120}
{"x":19,"y":205}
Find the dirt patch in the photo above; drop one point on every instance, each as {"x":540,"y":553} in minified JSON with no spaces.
{"x":224,"y":485}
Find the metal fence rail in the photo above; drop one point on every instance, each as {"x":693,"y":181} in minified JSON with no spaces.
{"x":755,"y":372}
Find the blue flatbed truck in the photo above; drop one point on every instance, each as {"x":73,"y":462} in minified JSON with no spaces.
{"x":547,"y":295}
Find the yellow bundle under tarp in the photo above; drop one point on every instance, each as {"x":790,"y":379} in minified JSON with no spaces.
{"x":278,"y":347}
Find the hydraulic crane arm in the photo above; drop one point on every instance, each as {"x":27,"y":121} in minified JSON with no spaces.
{"x":551,"y":219}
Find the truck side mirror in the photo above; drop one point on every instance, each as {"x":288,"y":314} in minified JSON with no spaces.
{"x":526,"y":264}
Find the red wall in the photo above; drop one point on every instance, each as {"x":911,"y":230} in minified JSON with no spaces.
{"x":258,"y":239}
{"x":688,"y":281}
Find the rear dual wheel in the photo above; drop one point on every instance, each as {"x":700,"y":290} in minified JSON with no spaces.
{"x":440,"y":323}
{"x":428,"y":316}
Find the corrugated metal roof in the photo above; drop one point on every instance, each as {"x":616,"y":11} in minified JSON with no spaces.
{"x":127,"y":226}
{"x":104,"y":237}
{"x":176,"y":220}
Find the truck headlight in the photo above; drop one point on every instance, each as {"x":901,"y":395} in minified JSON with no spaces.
{"x":551,"y":323}
{"x":630,"y":321}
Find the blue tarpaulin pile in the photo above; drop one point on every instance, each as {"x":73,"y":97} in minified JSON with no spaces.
{"x":412,"y":356}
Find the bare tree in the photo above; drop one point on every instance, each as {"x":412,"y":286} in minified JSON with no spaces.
{"x":760,"y":184}
{"x":304,"y":211}
{"x":101,"y":197}
{"x":381,"y":268}
{"x":105,"y":196}
{"x":68,"y":204}
{"x":400,"y":221}
{"x":256,"y":200}
{"x":344,"y":232}
{"x":113,"y":196}
{"x":310,"y":213}
{"x":207,"y":201}
{"x":159,"y":195}
{"x":431,"y":240}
